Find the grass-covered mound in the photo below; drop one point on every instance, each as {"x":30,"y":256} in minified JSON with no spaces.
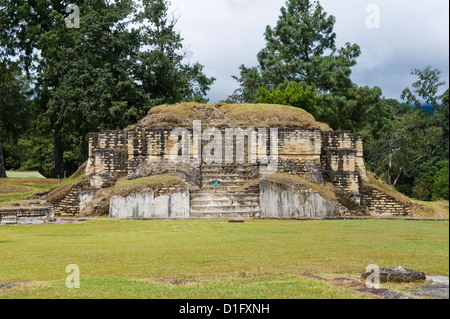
{"x":223,"y":115}
{"x":326,"y":191}
{"x":151,"y":183}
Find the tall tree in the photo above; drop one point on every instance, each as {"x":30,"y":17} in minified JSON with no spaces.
{"x":425,"y":89}
{"x":163,"y":71}
{"x":301,"y":48}
{"x":104,"y":74}
{"x":14,"y":106}
{"x":408,"y":146}
{"x":88,"y":76}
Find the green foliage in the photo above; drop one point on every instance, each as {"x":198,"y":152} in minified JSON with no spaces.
{"x":300,"y":48}
{"x":294,"y":95}
{"x":14,"y":108}
{"x":425,"y":88}
{"x":433,"y":185}
{"x":409,"y":147}
{"x":162,"y":71}
{"x":249,"y":83}
{"x":349,"y":110}
{"x":107,"y":74}
{"x":441,"y":183}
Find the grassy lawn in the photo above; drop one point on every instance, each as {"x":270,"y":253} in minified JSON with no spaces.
{"x":24,"y":174}
{"x":212,"y":259}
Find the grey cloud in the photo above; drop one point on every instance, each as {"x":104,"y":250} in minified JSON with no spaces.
{"x":223,"y":34}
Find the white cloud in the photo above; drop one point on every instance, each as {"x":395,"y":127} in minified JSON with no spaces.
{"x":223,"y":34}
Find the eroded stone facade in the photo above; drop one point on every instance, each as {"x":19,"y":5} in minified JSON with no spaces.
{"x":318,"y":156}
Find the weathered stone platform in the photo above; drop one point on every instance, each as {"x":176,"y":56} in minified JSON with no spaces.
{"x":26,"y":216}
{"x":225,"y":154}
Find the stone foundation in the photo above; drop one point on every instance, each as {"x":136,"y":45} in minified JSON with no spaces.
{"x":148,"y":205}
{"x":319,"y":156}
{"x":290,"y":202}
{"x":35,"y":215}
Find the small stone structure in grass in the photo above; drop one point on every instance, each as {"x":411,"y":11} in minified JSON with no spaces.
{"x":135,"y":173}
{"x":26,"y":212}
{"x":397,"y":274}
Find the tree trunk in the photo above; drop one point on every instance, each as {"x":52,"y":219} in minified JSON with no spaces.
{"x":2,"y":163}
{"x":59,"y":169}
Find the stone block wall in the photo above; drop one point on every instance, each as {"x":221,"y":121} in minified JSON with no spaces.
{"x":151,"y":205}
{"x":311,"y":153}
{"x":35,"y":215}
{"x":149,"y":153}
{"x":143,"y":152}
{"x":108,"y":158}
{"x":300,"y":153}
{"x":291,"y":202}
{"x":342,"y":161}
{"x":319,"y":156}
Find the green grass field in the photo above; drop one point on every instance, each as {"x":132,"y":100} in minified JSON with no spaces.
{"x":213,"y":259}
{"x":12,"y":189}
{"x":24,"y":174}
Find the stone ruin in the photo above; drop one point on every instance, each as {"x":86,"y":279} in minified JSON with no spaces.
{"x":319,"y":173}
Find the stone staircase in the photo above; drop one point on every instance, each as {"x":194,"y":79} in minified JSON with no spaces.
{"x":230,"y":199}
{"x":69,"y":205}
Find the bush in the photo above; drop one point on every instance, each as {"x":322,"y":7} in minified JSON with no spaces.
{"x":294,"y":94}
{"x":423,"y":188}
{"x":433,"y":185}
{"x":440,"y":185}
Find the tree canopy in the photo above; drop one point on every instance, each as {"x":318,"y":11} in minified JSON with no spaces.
{"x":124,"y":58}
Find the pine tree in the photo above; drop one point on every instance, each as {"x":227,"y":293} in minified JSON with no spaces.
{"x":163,"y":71}
{"x":301,"y":48}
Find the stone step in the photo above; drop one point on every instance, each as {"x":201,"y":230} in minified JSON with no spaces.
{"x":223,"y":176}
{"x":213,"y":203}
{"x":225,"y":200}
{"x":207,"y":184}
{"x":228,"y":173}
{"x":228,"y":166}
{"x":220,"y":189}
{"x":221,"y":214}
{"x":224,"y":196}
{"x":230,"y":169}
{"x":228,"y":209}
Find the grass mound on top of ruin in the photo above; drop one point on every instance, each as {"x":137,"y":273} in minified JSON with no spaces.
{"x":222,"y":115}
{"x":325,"y":191}
{"x":128,"y":187}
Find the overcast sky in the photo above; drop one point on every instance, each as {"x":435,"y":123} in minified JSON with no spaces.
{"x":223,"y":34}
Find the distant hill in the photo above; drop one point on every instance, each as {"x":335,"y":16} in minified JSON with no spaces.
{"x":426,"y":107}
